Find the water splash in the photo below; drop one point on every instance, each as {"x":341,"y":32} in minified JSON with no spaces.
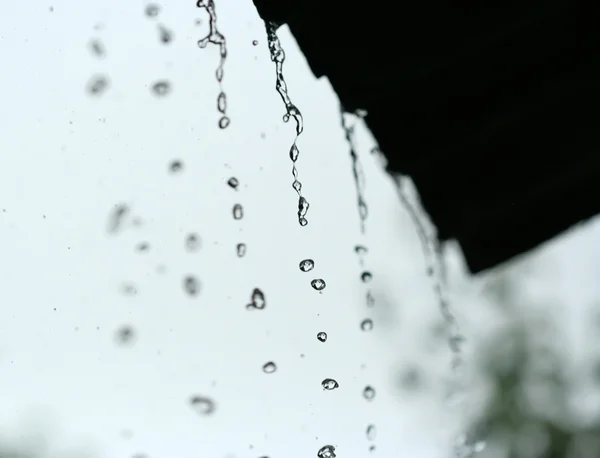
{"x":278,"y":56}
{"x":217,"y":38}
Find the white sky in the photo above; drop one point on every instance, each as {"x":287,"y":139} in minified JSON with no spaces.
{"x":66,"y":159}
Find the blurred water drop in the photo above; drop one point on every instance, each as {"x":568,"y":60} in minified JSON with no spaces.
{"x":369,"y":393}
{"x":152,"y":10}
{"x":254,"y":42}
{"x":366,"y":277}
{"x":372,"y":448}
{"x":479,"y":447}
{"x":370,"y":299}
{"x":257,"y":300}
{"x":327,"y":451}
{"x":224,"y":122}
{"x":222,"y":102}
{"x":129,"y":289}
{"x":269,"y":367}
{"x":360,"y":250}
{"x":322,"y":336}
{"x":366,"y":324}
{"x":125,"y":335}
{"x":142,"y":246}
{"x":161,"y":88}
{"x":165,"y":35}
{"x":202,"y":405}
{"x":307,"y":265}
{"x":371,"y":432}
{"x":240,"y":250}
{"x":97,"y":48}
{"x":329,"y":384}
{"x":98,"y":84}
{"x":318,"y":284}
{"x":191,"y":285}
{"x":233,"y":182}
{"x":176,"y":166}
{"x":361,"y":113}
{"x":192,"y":242}
{"x":238,"y":211}
{"x":116,"y":218}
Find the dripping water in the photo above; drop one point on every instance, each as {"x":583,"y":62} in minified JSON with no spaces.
{"x":278,"y":56}
{"x":215,"y":37}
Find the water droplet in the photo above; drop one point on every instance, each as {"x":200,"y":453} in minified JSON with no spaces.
{"x":366,"y":277}
{"x":161,"y":88}
{"x":297,"y":186}
{"x":191,"y":285}
{"x":116,"y":218}
{"x":329,"y":384}
{"x":366,"y":324}
{"x":152,"y":10}
{"x":224,"y":122}
{"x":240,"y":249}
{"x":307,"y":265}
{"x":142,"y":246}
{"x":192,"y":243}
{"x":166,"y":36}
{"x":361,"y":113}
{"x":360,"y":250}
{"x":327,"y":451}
{"x":322,"y":336}
{"x":129,"y":289}
{"x":176,"y":166}
{"x":125,"y":335}
{"x":369,"y":393}
{"x":97,"y":84}
{"x":202,"y":405}
{"x":269,"y":367}
{"x":222,"y":102}
{"x":371,"y":448}
{"x":238,"y":211}
{"x":303,"y":222}
{"x":371,"y":432}
{"x":233,"y":182}
{"x":294,"y":153}
{"x":318,"y":284}
{"x":254,"y":42}
{"x":257,"y":300}
{"x":97,"y":48}
{"x":370,"y":299}
{"x":303,"y":206}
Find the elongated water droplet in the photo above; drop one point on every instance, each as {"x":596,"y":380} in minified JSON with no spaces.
{"x":224,"y":122}
{"x":240,"y":250}
{"x":117,"y":217}
{"x":222,"y":102}
{"x":322,"y":336}
{"x":192,"y":243}
{"x":191,"y":285}
{"x":294,"y":153}
{"x":370,"y":299}
{"x":238,"y":211}
{"x":297,"y":186}
{"x":176,"y":166}
{"x":152,"y":10}
{"x":366,"y":277}
{"x":233,"y":182}
{"x":269,"y":367}
{"x":202,"y":405}
{"x":97,"y":48}
{"x":369,"y":393}
{"x":371,"y":432}
{"x":327,"y":451}
{"x":329,"y":384}
{"x":307,"y":265}
{"x":303,"y":206}
{"x":257,"y":300}
{"x":366,"y":324}
{"x":318,"y":284}
{"x":98,"y":84}
{"x":165,"y":35}
{"x":161,"y":88}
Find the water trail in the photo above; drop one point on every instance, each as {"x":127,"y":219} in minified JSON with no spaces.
{"x":278,"y":56}
{"x":215,"y":37}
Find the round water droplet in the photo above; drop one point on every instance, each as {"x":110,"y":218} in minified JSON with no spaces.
{"x":125,"y":335}
{"x":366,"y":324}
{"x":366,"y":277}
{"x":360,"y":250}
{"x":192,"y":242}
{"x":240,"y":250}
{"x":307,"y":265}
{"x":322,"y":336}
{"x":152,"y":10}
{"x":238,"y":211}
{"x":222,"y":102}
{"x":286,"y":117}
{"x":233,"y":182}
{"x":269,"y":367}
{"x":329,"y":384}
{"x":224,"y":122}
{"x":191,"y":285}
{"x":257,"y":300}
{"x":318,"y":284}
{"x":254,"y":42}
{"x":98,"y":84}
{"x":166,"y":36}
{"x":176,"y":166}
{"x":369,"y":393}
{"x":202,"y":405}
{"x":327,"y":451}
{"x":371,"y":432}
{"x":161,"y":88}
{"x":303,"y":221}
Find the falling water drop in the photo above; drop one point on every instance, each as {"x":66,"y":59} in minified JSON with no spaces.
{"x":117,"y":217}
{"x":165,"y":35}
{"x":224,"y":122}
{"x":257,"y":300}
{"x":176,"y":166}
{"x":240,"y":249}
{"x":306,"y":265}
{"x":322,"y":336}
{"x":254,"y":42}
{"x":327,"y":451}
{"x":233,"y":182}
{"x":294,"y":153}
{"x":142,"y":246}
{"x":152,"y":10}
{"x":97,"y":84}
{"x":202,"y":405}
{"x":360,"y":250}
{"x":161,"y":88}
{"x":371,"y":448}
{"x":371,"y":432}
{"x":329,"y":384}
{"x":191,"y":285}
{"x":269,"y":367}
{"x":318,"y":284}
{"x":370,"y":299}
{"x":222,"y":102}
{"x":97,"y":48}
{"x":366,"y":277}
{"x":125,"y":335}
{"x":369,"y":393}
{"x":303,"y":206}
{"x":192,"y":243}
{"x":366,"y":324}
{"x":238,"y":211}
